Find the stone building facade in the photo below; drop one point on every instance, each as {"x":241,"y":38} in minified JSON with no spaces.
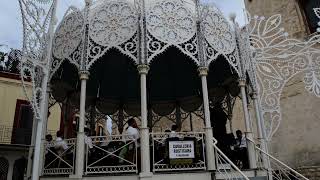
{"x":296,"y":141}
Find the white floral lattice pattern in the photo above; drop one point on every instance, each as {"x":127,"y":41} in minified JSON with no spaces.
{"x":277,"y":58}
{"x":68,"y":35}
{"x":312,"y":76}
{"x":35,"y":20}
{"x":113,"y":23}
{"x":171,"y":21}
{"x":317,"y":12}
{"x":217,"y":31}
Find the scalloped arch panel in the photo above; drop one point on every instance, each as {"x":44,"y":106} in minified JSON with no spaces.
{"x":218,"y":31}
{"x":113,"y":23}
{"x":171,"y":21}
{"x":68,"y":35}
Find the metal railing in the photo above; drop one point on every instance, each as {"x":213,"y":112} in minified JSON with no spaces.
{"x":59,"y":157}
{"x":160,"y":152}
{"x":17,"y":136}
{"x":277,"y":170}
{"x":111,"y":154}
{"x":5,"y":134}
{"x":225,"y":168}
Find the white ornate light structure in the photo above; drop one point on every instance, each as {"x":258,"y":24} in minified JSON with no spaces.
{"x":276,"y":58}
{"x":261,"y":52}
{"x":317,"y":12}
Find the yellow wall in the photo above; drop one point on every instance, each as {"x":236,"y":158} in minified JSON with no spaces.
{"x":10,"y":91}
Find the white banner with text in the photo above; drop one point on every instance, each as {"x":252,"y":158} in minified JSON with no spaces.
{"x":181,"y":149}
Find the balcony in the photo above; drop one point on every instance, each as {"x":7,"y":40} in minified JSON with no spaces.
{"x":181,"y":156}
{"x":10,"y":135}
{"x":119,"y":154}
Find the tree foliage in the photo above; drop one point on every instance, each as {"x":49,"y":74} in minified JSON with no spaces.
{"x":9,"y":62}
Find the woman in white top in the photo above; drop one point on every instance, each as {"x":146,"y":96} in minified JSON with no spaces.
{"x":133,"y":130}
{"x":131,"y":134}
{"x":60,"y":145}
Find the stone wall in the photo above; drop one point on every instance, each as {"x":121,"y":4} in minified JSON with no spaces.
{"x":292,"y":17}
{"x":310,"y":172}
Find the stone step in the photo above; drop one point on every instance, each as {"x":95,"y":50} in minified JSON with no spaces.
{"x":251,"y":174}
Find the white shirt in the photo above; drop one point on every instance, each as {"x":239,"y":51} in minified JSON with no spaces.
{"x":108,"y":131}
{"x":60,"y":145}
{"x":242,"y":143}
{"x":108,"y":125}
{"x":173,"y":134}
{"x":88,"y":141}
{"x":48,"y":146}
{"x":133,"y":133}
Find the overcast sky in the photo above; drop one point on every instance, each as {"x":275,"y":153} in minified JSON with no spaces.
{"x":11,"y":26}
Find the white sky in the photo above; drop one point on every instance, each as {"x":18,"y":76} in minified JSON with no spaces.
{"x":11,"y":26}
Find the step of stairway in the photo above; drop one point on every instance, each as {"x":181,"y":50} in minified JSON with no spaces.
{"x":251,"y":174}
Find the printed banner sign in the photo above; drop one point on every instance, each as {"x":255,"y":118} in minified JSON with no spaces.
{"x":181,"y":149}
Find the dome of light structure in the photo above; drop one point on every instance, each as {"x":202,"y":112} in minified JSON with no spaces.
{"x":172,"y":36}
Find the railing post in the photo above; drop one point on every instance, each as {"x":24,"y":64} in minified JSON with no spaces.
{"x":249,"y":135}
{"x":144,"y":130}
{"x":210,"y":156}
{"x":84,"y":76}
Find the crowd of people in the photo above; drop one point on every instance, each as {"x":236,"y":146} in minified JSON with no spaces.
{"x":234,"y":148}
{"x":59,"y":154}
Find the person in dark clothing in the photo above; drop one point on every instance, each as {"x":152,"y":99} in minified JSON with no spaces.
{"x":241,"y":149}
{"x":49,"y":151}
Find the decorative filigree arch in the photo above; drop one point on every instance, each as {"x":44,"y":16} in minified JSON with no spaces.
{"x":219,"y":38}
{"x":156,"y":48}
{"x":35,"y":20}
{"x":317,"y":12}
{"x":171,"y":23}
{"x":113,"y":24}
{"x":267,"y":55}
{"x":67,"y":43}
{"x":217,"y":31}
{"x":232,"y":59}
{"x":129,"y":49}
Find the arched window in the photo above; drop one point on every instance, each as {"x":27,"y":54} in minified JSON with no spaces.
{"x":4,"y":167}
{"x":307,"y":9}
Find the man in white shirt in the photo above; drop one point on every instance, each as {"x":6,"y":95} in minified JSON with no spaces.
{"x":131,"y":134}
{"x":173,"y":132}
{"x":107,"y":131}
{"x":132,"y":131}
{"x":60,"y":145}
{"x":241,"y":148}
{"x":241,"y":141}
